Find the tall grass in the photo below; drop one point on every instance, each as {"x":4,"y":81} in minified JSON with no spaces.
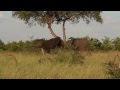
{"x":113,"y":67}
{"x":63,"y":64}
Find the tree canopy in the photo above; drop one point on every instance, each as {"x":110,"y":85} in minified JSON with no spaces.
{"x":49,"y":17}
{"x":44,"y":17}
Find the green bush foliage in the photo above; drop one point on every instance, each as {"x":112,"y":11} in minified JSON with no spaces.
{"x":2,"y":45}
{"x":113,"y":68}
{"x":106,"y":44}
{"x":116,"y":43}
{"x":95,"y":44}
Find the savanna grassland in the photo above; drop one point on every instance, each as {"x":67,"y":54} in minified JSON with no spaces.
{"x":57,"y":65}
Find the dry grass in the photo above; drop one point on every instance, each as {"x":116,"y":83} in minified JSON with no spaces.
{"x":26,"y":65}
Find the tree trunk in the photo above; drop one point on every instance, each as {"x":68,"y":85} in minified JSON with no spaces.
{"x":51,"y":31}
{"x":64,"y":33}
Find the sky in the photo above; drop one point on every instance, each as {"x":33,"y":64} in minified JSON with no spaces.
{"x":14,"y":29}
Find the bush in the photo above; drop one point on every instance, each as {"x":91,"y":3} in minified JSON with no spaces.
{"x":2,"y":45}
{"x":18,"y":46}
{"x":95,"y":44}
{"x":77,"y":58}
{"x":71,"y":57}
{"x":13,"y":46}
{"x":113,"y":68}
{"x":117,"y":43}
{"x":107,"y":44}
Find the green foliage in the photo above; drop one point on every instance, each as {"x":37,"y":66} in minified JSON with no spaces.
{"x":45,"y":17}
{"x":13,"y":46}
{"x":95,"y":44}
{"x":18,"y":46}
{"x":72,"y":57}
{"x":107,"y":44}
{"x":2,"y":45}
{"x":117,"y":43}
{"x":113,"y":68}
{"x":77,"y":58}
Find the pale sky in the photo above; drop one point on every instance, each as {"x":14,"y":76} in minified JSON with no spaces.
{"x":12,"y":29}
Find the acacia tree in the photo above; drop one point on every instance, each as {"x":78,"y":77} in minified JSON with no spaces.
{"x":49,"y":17}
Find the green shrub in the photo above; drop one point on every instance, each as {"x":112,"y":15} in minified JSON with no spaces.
{"x":2,"y":45}
{"x":117,"y":43}
{"x":113,"y":68}
{"x":18,"y":46}
{"x":95,"y":44}
{"x":13,"y":46}
{"x":107,"y":44}
{"x":71,"y":57}
{"x":77,"y":58}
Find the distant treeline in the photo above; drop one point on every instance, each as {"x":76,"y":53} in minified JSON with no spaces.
{"x":95,"y":44}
